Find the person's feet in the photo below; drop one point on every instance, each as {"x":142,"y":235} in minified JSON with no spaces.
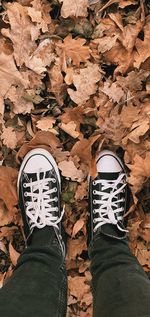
{"x":108,"y":197}
{"x":39,"y":187}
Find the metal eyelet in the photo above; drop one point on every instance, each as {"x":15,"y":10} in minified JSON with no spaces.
{"x":94,"y":211}
{"x":24,"y":185}
{"x":55,"y":189}
{"x":94,"y":183}
{"x":94,"y":192}
{"x":56,"y":199}
{"x":25,"y":194}
{"x":57,"y":209}
{"x":54,"y":180}
{"x":94,"y":220}
{"x":94,"y":202}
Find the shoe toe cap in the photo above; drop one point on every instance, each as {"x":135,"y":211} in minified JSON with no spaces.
{"x":109,"y":162}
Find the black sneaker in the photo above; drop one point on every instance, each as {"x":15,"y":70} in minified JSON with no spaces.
{"x":39,"y":188}
{"x":108,"y":197}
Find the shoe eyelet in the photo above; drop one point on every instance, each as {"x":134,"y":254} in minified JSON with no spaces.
{"x":54,"y":180}
{"x":94,"y":220}
{"x":56,"y":199}
{"x":94,"y":183}
{"x":94,"y":211}
{"x":94,"y":202}
{"x":25,"y":194}
{"x":94,"y":192}
{"x":24,"y":185}
{"x":55,"y":189}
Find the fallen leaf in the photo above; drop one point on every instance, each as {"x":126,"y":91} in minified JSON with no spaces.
{"x":77,"y":227}
{"x":40,"y":14}
{"x":85,"y":83}
{"x":8,"y":180}
{"x":23,"y":32}
{"x":45,"y":123}
{"x":75,"y":247}
{"x":74,"y":49}
{"x":142,"y":47}
{"x":70,"y":128}
{"x":113,"y":91}
{"x":69,"y":170}
{"x":76,"y":8}
{"x":14,"y":255}
{"x":9,"y":137}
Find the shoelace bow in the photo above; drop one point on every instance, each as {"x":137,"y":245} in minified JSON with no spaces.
{"x":39,"y":208}
{"x":108,"y":210}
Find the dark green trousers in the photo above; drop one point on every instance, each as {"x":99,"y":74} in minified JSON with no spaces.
{"x":38,"y":287}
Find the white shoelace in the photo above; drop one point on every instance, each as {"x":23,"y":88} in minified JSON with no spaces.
{"x":108,"y":210}
{"x":39,"y":209}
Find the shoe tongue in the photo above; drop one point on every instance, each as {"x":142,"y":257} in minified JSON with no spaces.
{"x":109,"y":176}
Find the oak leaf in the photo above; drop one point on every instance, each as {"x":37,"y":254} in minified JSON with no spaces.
{"x":42,"y":56}
{"x":9,"y":137}
{"x":74,"y":49}
{"x":9,"y":75}
{"x":142,"y":47}
{"x":45,"y":123}
{"x":140,"y":170}
{"x":69,"y":170}
{"x":75,"y":247}
{"x":78,"y":287}
{"x":113,"y":91}
{"x":23,"y":32}
{"x":76,"y":8}
{"x":129,"y":114}
{"x":19,"y":104}
{"x":70,"y":128}
{"x":8,"y":180}
{"x":85,"y":83}
{"x":40,"y":14}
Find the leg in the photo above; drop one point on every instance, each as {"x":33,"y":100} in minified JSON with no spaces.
{"x":120,"y":286}
{"x":38,"y":287}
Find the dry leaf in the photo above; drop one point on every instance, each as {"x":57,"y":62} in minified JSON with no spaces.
{"x":76,"y":247}
{"x":77,"y":227}
{"x":85,"y":83}
{"x":9,"y":75}
{"x":14,"y":255}
{"x":45,"y":123}
{"x":9,"y":137}
{"x":142,"y":47}
{"x":43,"y":56}
{"x":23,"y":32}
{"x":19,"y":104}
{"x":78,"y":287}
{"x":113,"y":91}
{"x":74,"y":49}
{"x":8,"y":180}
{"x":76,"y":8}
{"x":69,"y":170}
{"x":70,"y":128}
{"x":129,"y":114}
{"x":40,"y":14}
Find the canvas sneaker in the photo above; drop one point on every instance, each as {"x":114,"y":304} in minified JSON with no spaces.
{"x":108,"y":197}
{"x":39,"y":188}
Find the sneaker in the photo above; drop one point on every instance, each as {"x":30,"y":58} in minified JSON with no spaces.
{"x":108,"y":197}
{"x":39,"y":188}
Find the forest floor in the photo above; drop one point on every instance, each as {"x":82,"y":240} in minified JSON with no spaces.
{"x":74,"y":79}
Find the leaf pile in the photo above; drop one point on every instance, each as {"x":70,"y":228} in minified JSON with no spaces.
{"x":75,"y":78}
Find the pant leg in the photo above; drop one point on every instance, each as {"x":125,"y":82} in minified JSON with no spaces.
{"x":38,"y":286}
{"x":120,"y":286}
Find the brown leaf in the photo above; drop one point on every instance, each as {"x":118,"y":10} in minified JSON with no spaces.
{"x":40,"y":14}
{"x":42,"y":139}
{"x":69,"y":170}
{"x":129,"y":114}
{"x":9,"y":75}
{"x":8,"y":179}
{"x":23,"y":32}
{"x":113,"y":91}
{"x":77,"y":227}
{"x":142,"y":47}
{"x":45,"y":123}
{"x":9,"y":137}
{"x":140,"y":170}
{"x":85,"y":83}
{"x":70,"y":128}
{"x":74,"y":49}
{"x":42,"y":56}
{"x":14,"y":255}
{"x":78,"y":287}
{"x":75,"y":247}
{"x":76,"y":8}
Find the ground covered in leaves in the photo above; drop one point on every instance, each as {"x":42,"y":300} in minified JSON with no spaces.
{"x":75,"y":78}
